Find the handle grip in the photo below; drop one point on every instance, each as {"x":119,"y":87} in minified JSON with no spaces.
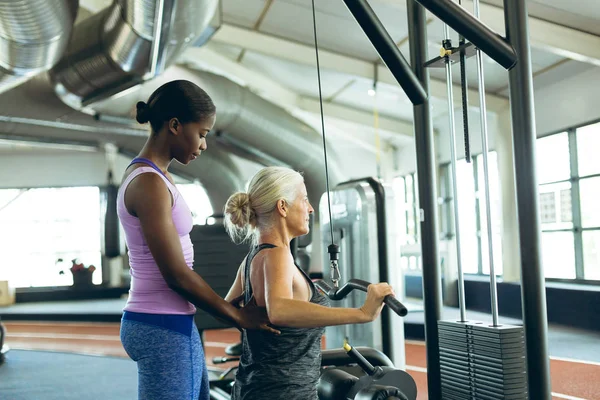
{"x":361,"y":285}
{"x":396,"y":305}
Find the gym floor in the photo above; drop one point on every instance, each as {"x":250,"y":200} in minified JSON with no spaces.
{"x":571,"y":379}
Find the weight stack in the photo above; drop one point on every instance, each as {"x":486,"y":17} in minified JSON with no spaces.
{"x":479,"y":361}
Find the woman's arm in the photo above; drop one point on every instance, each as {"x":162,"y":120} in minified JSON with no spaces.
{"x":150,"y":200}
{"x":284,"y":310}
{"x":237,"y":288}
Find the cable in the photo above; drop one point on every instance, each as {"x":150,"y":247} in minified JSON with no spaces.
{"x":332,"y":249}
{"x":322,"y":120}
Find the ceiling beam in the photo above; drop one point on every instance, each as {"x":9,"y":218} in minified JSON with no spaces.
{"x":303,"y":54}
{"x":207,"y":59}
{"x":545,"y":35}
{"x":357,"y":116}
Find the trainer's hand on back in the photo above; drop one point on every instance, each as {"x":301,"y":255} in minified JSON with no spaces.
{"x":238,"y":302}
{"x":254,"y":317}
{"x":376,"y":293}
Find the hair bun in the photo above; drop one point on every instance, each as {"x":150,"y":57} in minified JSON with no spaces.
{"x":143,"y":112}
{"x":239,"y":210}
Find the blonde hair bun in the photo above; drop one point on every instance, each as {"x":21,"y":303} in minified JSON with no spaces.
{"x":238,"y":210}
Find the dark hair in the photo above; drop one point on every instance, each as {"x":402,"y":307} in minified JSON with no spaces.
{"x":179,"y":99}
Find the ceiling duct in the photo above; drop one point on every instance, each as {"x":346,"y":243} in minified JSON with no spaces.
{"x":246,"y":119}
{"x":33,"y":37}
{"x":125,"y":44}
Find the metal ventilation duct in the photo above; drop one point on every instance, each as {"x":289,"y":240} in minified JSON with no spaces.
{"x":251,"y":122}
{"x":33,"y":37}
{"x":125,"y":44}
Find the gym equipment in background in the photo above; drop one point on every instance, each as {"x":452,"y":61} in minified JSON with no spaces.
{"x":369,"y":250}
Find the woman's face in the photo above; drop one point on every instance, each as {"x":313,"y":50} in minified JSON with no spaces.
{"x":299,"y":213}
{"x":191,"y":139}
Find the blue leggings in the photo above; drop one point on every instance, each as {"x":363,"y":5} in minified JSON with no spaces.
{"x":169,"y":356}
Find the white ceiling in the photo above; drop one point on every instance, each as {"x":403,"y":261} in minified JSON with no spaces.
{"x":290,"y":21}
{"x":339,"y":33}
{"x":579,"y":14}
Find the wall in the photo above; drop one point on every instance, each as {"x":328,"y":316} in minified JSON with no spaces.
{"x":57,"y":168}
{"x":567,"y":96}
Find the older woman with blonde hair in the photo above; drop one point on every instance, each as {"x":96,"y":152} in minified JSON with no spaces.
{"x":273,"y":211}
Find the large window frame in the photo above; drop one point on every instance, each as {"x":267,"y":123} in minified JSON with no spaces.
{"x":577,"y":229}
{"x":62,"y":256}
{"x":195,"y":196}
{"x":446,"y":210}
{"x":446,"y":213}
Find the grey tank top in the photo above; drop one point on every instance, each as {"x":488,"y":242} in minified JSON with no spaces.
{"x":279,"y":367}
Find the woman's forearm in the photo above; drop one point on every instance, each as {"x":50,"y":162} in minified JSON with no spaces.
{"x":301,"y":314}
{"x":195,"y":290}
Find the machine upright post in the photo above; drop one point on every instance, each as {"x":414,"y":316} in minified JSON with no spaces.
{"x":533,"y":291}
{"x":426,"y":166}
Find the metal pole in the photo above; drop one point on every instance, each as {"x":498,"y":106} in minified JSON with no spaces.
{"x":387,"y":49}
{"x":486,"y":176}
{"x":473,"y":30}
{"x":452,"y":127}
{"x":154,"y":51}
{"x":426,"y":164}
{"x":524,"y":135}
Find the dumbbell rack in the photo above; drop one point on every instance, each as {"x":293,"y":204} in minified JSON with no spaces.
{"x":481,"y":361}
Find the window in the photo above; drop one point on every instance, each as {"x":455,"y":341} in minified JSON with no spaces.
{"x":591,"y":254}
{"x":555,"y":206}
{"x":412,"y":235}
{"x":553,"y":160}
{"x":470,"y":179}
{"x":496,"y":213}
{"x":590,"y":221}
{"x":467,"y":219}
{"x":569,"y":190}
{"x":558,"y":255}
{"x":568,"y":172}
{"x":588,"y":143}
{"x":40,"y":227}
{"x":405,"y":190}
{"x":555,"y":200}
{"x":197,"y":200}
{"x":589,"y":189}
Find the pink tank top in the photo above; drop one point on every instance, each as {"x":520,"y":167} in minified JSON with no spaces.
{"x":149,"y":293}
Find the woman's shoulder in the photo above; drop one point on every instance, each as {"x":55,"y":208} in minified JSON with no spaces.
{"x":275,"y":255}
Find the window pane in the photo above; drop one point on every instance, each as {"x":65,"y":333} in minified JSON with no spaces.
{"x":197,"y":200}
{"x":42,"y":226}
{"x":494,"y":183}
{"x":466,"y":217}
{"x":404,"y":263}
{"x":591,"y":254}
{"x":399,"y":188}
{"x":588,"y":143}
{"x":417,"y":209}
{"x":553,"y":159}
{"x":558,"y":252}
{"x":411,"y":211}
{"x":412,"y":263}
{"x":589,"y":191}
{"x":555,"y":206}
